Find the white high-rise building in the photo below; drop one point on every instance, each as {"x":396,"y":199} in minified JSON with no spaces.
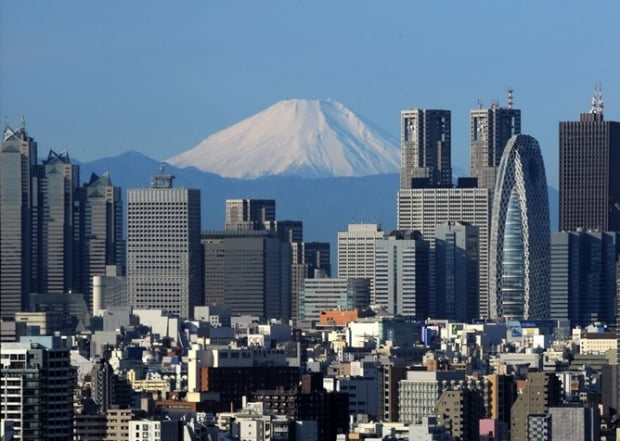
{"x":423,"y":209}
{"x":163,"y":247}
{"x":356,"y":252}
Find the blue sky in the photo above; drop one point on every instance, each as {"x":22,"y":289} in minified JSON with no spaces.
{"x":100,"y":78}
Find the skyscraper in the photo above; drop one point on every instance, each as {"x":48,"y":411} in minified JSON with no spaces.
{"x":57,"y":233}
{"x":425,"y":148}
{"x":490,"y":130}
{"x":163,"y":247}
{"x":18,"y":158}
{"x":589,"y":177}
{"x":102,"y":243}
{"x":519,"y":247}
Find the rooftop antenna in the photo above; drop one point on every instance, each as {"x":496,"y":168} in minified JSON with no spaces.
{"x":594,"y":103}
{"x":601,"y":105}
{"x":23,"y":122}
{"x":510,"y":97}
{"x":479,"y":103}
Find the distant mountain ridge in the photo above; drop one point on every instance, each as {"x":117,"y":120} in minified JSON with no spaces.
{"x":306,"y":138}
{"x":325,"y":205}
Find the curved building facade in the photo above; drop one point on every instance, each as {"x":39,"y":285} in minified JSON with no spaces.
{"x":519,"y":249}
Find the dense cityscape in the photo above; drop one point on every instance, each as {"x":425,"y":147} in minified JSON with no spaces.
{"x":123,"y":319}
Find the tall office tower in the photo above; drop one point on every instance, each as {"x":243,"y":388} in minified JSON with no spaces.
{"x":589,"y":178}
{"x":37,"y":391}
{"x":18,"y":158}
{"x":249,"y":214}
{"x":164,"y":268}
{"x":424,"y":209}
{"x":102,"y":243}
{"x":356,"y":253}
{"x":456,"y":271}
{"x":401,"y":274}
{"x":57,"y":233}
{"x":519,"y":247}
{"x":425,"y":148}
{"x":490,"y":129}
{"x":249,"y":271}
{"x":307,"y":258}
{"x":543,"y":390}
{"x":583,"y":276}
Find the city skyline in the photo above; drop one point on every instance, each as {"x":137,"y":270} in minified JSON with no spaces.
{"x":163,"y":83}
{"x":410,"y":284}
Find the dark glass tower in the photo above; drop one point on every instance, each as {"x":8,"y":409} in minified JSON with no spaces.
{"x":590,"y":172}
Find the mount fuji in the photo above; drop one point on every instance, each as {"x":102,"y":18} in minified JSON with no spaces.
{"x":304,"y":138}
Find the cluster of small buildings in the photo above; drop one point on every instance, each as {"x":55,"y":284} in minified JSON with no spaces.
{"x":469,"y":321}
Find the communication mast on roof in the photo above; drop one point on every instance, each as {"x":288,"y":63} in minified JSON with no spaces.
{"x":510,"y":97}
{"x":601,"y":105}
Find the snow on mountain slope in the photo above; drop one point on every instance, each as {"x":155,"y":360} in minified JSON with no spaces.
{"x":296,"y":137}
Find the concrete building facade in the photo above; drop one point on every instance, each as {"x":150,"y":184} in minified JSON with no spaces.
{"x":424,"y":209}
{"x":249,"y":271}
{"x":163,"y":247}
{"x":401,"y":274}
{"x":357,"y":248}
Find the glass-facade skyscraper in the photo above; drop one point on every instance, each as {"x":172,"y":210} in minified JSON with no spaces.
{"x":519,"y":246}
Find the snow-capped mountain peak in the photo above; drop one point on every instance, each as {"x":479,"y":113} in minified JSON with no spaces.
{"x":307,"y":138}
